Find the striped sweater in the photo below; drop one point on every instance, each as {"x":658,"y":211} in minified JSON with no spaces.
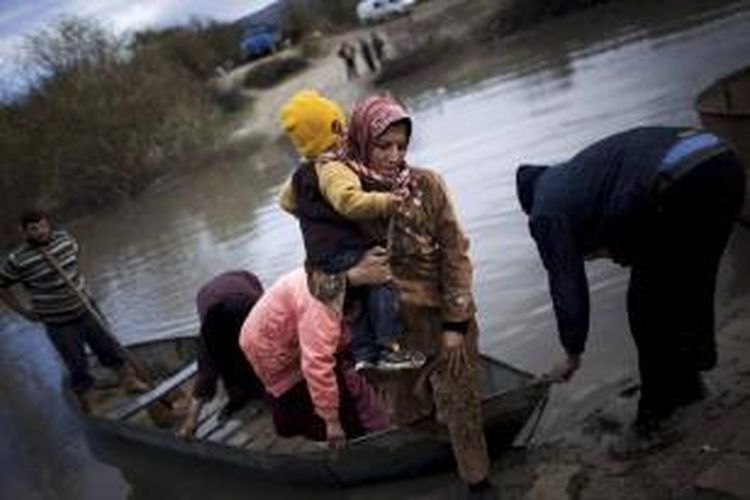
{"x":51,"y":297}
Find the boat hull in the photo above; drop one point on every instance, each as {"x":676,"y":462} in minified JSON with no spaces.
{"x":510,"y":397}
{"x":724,"y":108}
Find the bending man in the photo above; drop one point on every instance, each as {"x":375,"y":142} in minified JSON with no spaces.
{"x":661,"y":200}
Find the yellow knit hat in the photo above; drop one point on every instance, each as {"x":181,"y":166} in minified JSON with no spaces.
{"x":308,"y":118}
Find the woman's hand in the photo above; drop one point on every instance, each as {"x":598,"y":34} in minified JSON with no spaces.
{"x":372,"y":269}
{"x":335,"y":435}
{"x":190,"y":424}
{"x":454,"y":351}
{"x":188,"y":427}
{"x":563,"y":371}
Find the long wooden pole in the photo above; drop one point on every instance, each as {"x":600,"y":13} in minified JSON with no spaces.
{"x":94,"y":312}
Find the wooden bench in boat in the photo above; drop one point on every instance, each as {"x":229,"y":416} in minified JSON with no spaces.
{"x":145,"y":400}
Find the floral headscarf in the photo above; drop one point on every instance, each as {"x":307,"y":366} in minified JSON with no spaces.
{"x":370,"y":118}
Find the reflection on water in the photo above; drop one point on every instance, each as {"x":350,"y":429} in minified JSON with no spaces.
{"x":42,"y":453}
{"x":537,"y":97}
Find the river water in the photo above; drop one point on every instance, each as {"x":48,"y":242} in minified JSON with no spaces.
{"x":537,"y":97}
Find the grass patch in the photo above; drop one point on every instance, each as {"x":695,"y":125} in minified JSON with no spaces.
{"x":105,"y":117}
{"x":523,"y":14}
{"x":420,"y":55}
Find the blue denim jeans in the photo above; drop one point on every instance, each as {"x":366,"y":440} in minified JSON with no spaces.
{"x":378,"y":325}
{"x":339,"y":261}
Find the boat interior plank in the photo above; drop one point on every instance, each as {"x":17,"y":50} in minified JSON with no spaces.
{"x":146,"y":399}
{"x":224,"y":431}
{"x":239,"y":439}
{"x":237,"y":423}
{"x":265,"y":441}
{"x":297,"y":445}
{"x":208,"y":421}
{"x":258,"y":428}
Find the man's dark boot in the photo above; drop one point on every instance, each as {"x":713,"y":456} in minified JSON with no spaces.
{"x":643,"y":437}
{"x":483,"y":490}
{"x":84,"y":401}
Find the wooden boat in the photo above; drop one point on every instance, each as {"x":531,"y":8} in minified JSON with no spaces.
{"x":246,"y":443}
{"x":724,"y":108}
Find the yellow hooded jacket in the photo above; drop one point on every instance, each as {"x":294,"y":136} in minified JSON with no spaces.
{"x":309,"y":120}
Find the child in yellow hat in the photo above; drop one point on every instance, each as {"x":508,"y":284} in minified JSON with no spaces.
{"x":334,"y":212}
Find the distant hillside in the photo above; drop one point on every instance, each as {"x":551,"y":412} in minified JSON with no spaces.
{"x":272,"y":14}
{"x":275,"y":13}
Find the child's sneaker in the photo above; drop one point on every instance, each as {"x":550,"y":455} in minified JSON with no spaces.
{"x":363,"y":365}
{"x":401,"y":360}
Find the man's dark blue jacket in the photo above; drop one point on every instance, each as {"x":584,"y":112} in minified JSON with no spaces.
{"x":599,"y":199}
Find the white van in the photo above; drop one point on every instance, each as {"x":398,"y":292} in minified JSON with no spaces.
{"x":369,"y":11}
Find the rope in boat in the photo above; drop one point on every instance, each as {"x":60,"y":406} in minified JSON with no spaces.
{"x":538,"y":418}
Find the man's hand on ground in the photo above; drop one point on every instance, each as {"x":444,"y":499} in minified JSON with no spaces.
{"x":563,"y":371}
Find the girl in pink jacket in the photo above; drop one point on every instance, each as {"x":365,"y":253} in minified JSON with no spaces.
{"x":295,"y":345}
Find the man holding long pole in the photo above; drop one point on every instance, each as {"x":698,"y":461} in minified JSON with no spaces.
{"x":46,"y":265}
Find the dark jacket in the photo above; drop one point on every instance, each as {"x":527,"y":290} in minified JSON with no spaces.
{"x":599,"y":199}
{"x":223,"y":304}
{"x":333,"y":243}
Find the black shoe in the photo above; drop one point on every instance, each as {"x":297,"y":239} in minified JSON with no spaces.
{"x":691,"y":393}
{"x":705,"y":354}
{"x":230,"y":408}
{"x":400,"y":360}
{"x":363,"y":365}
{"x":484,"y":490}
{"x":640,"y":440}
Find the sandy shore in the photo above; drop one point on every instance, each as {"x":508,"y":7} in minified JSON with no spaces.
{"x":710,"y":460}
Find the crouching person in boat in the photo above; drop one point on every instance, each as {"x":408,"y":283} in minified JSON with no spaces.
{"x":223,"y":304}
{"x":297,"y":346}
{"x":430,"y":263}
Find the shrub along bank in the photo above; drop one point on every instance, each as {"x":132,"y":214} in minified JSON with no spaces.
{"x":104,"y":115}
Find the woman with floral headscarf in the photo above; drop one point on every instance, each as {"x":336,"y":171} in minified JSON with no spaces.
{"x":431,"y":266}
{"x":430,"y":263}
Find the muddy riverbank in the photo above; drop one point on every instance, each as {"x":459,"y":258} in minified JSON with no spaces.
{"x":711,"y":456}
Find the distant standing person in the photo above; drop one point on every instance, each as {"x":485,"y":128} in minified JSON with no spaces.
{"x":223,"y":303}
{"x":378,"y":46}
{"x":661,"y":200}
{"x":348,"y":53}
{"x":364,"y":47}
{"x":70,"y":324}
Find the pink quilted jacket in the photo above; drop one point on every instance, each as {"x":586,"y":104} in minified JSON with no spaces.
{"x":290,"y":335}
